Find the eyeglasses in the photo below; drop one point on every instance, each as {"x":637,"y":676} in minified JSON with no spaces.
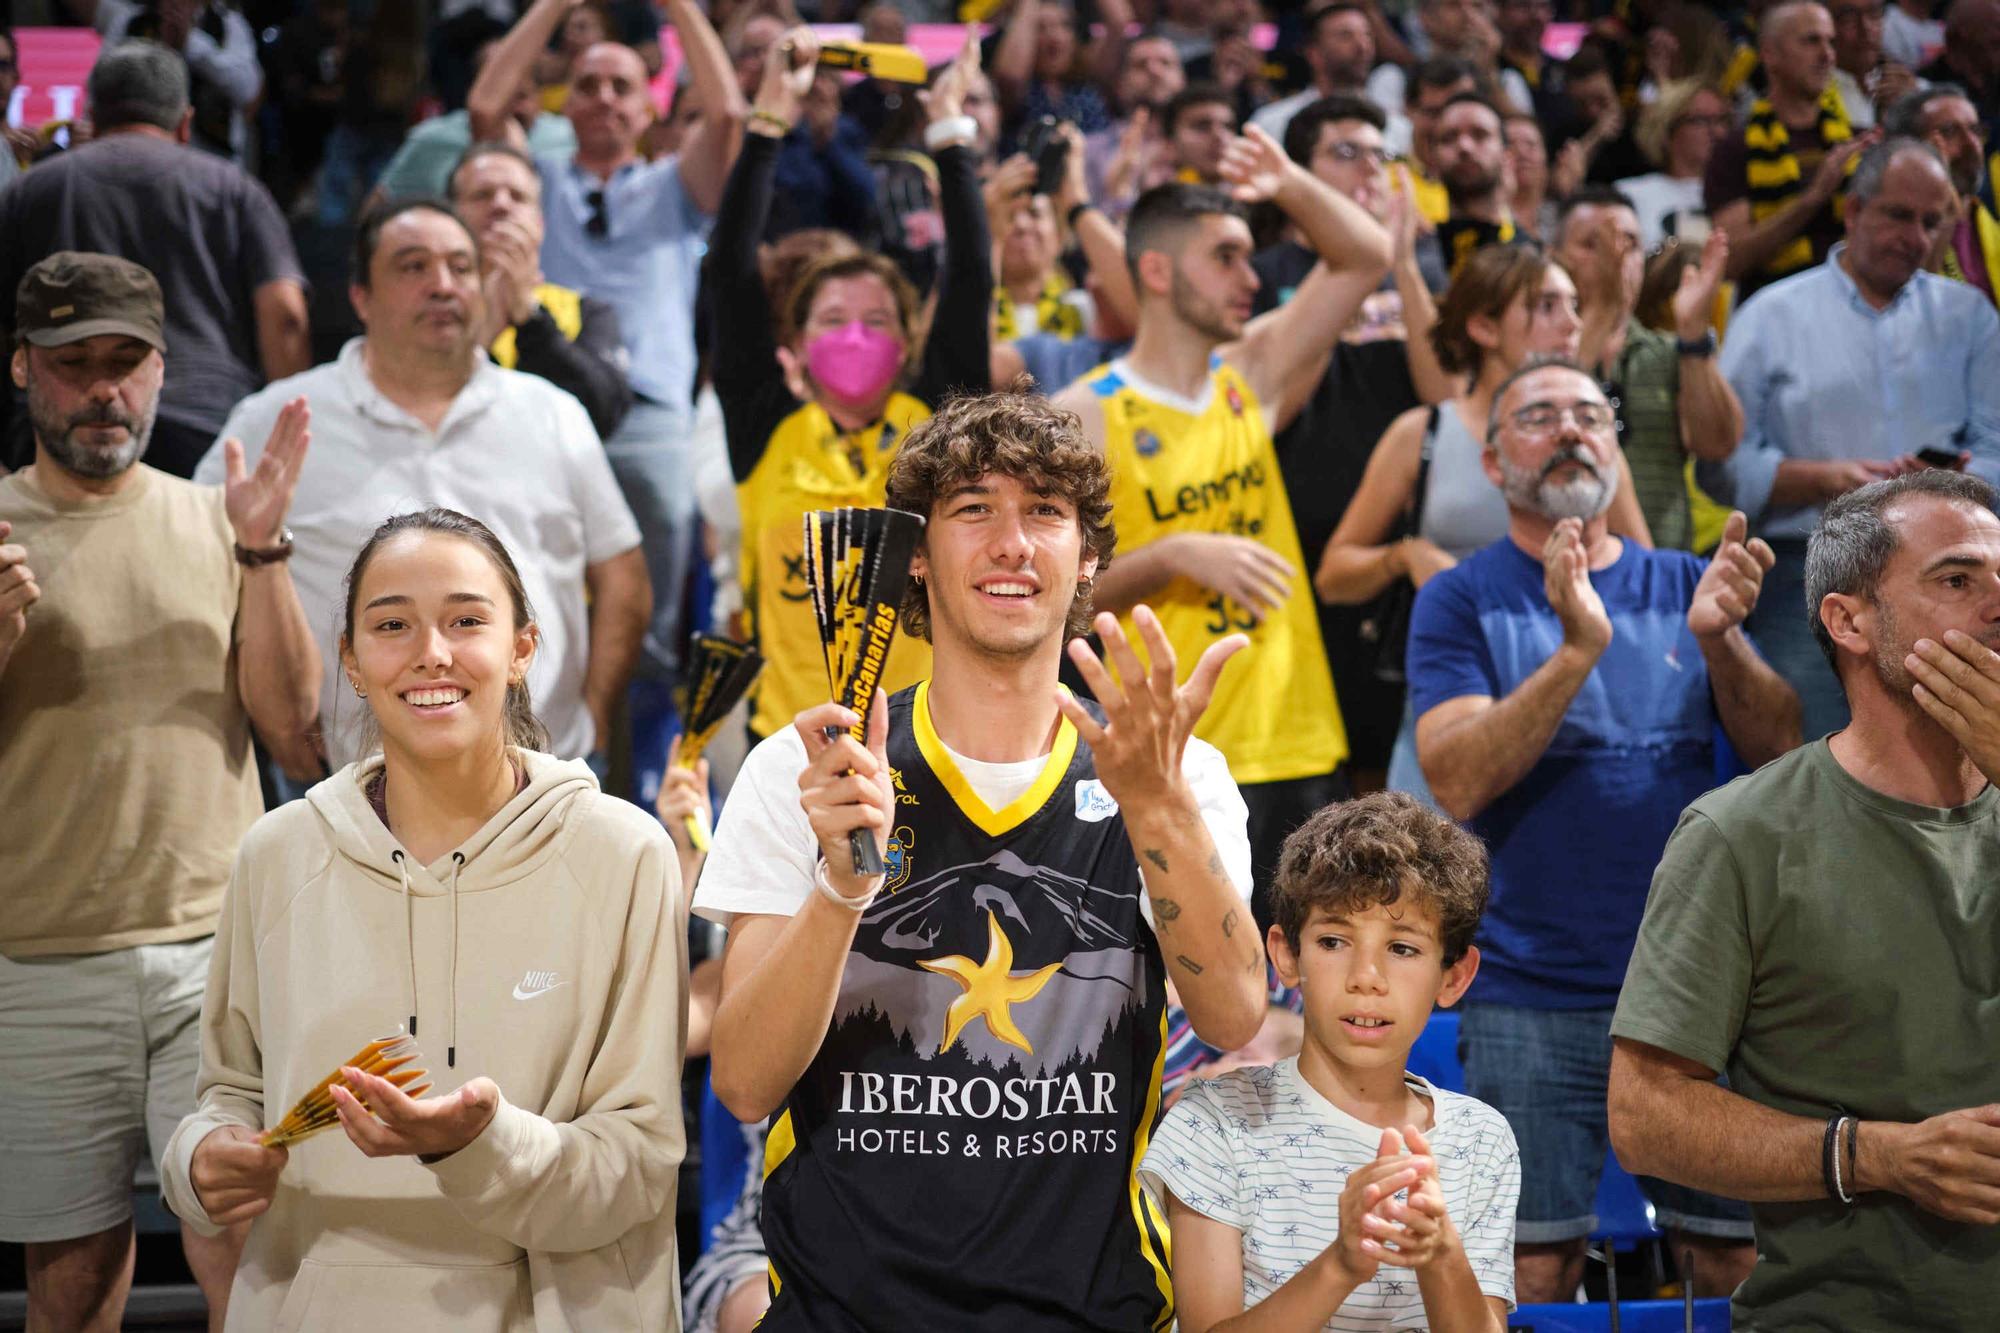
{"x":1374,"y":154}
{"x":598,"y":224}
{"x":1975,"y":132}
{"x":1541,"y":418}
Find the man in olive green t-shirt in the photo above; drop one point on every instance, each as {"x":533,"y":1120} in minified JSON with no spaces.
{"x":1827,"y":931}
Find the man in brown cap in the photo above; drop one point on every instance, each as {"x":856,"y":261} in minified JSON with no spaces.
{"x":146,"y":625}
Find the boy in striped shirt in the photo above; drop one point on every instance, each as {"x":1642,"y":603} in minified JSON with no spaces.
{"x":1336,"y":1190}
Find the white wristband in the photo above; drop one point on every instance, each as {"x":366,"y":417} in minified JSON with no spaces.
{"x":826,"y":889}
{"x":952,"y":129}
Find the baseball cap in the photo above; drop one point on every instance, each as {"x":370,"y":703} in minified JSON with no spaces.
{"x":73,"y":295}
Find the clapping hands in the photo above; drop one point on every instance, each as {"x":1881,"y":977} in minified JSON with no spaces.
{"x":1377,"y":1227}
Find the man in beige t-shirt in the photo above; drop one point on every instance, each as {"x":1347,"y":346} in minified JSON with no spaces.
{"x":136,"y":654}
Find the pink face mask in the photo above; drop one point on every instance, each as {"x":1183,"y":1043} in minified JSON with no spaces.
{"x":854,"y":363}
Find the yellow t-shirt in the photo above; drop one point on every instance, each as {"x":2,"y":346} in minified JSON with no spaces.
{"x":1274,"y":716}
{"x":128,"y":779}
{"x":809,"y":464}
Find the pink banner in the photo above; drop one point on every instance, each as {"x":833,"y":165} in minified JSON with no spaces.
{"x":55,"y":65}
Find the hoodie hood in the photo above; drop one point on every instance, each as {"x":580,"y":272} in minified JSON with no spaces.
{"x":523,"y":834}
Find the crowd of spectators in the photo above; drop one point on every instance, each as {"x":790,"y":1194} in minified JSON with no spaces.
{"x":1572,"y":407}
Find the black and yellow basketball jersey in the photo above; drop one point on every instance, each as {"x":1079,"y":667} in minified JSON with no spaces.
{"x":962,"y":1153}
{"x":1173,"y":471}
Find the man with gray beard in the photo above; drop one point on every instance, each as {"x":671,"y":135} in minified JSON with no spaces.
{"x":1567,"y":687}
{"x":136,"y":655}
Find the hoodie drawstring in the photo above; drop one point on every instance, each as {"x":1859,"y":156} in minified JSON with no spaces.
{"x":451,"y":1040}
{"x":409,"y":935}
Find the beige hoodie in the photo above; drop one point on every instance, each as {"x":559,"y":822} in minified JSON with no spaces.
{"x":546,"y":954}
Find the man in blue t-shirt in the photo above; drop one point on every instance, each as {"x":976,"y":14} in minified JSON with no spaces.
{"x":1568,"y":687}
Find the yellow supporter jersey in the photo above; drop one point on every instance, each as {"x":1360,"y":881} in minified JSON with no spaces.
{"x":1274,"y":716}
{"x":810,"y":465}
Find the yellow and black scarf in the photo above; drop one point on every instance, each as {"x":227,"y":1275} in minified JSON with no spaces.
{"x":1775,"y":175}
{"x":1053,"y":315}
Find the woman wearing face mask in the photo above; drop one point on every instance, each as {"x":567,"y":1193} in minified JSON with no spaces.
{"x":1508,"y":303}
{"x":822,"y":434}
{"x":525,"y":928}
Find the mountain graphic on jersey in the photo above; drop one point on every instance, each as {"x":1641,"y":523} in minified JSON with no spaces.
{"x":1035,"y":973}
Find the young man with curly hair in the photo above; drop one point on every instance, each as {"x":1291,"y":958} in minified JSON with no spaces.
{"x":964,"y":1055}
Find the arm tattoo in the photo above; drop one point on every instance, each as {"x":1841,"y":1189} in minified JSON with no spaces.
{"x":1165,"y":909}
{"x":1188,"y":963}
{"x":1158,"y":858}
{"x":1229,"y":923}
{"x":1215,"y":863}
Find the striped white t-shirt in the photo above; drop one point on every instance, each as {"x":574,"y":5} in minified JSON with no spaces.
{"x":1262,"y":1151}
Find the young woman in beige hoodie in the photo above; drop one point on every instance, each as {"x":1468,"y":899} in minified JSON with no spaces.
{"x":527,"y":930}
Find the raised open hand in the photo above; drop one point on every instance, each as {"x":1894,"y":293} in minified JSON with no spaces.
{"x":1727,"y":592}
{"x":258,"y":501}
{"x":945,"y":98}
{"x":1147,"y":716}
{"x":1254,"y":166}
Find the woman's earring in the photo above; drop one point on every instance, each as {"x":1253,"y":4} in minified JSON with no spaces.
{"x":355,"y":685}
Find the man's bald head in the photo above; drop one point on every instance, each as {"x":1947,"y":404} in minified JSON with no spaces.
{"x":610,"y":103}
{"x":1778,"y":19}
{"x":1795,"y":41}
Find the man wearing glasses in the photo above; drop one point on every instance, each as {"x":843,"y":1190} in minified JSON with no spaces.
{"x":631,"y":233}
{"x":1945,"y":118}
{"x":1567,"y":687}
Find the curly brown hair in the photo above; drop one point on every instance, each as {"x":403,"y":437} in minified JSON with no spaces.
{"x":1017,"y":435}
{"x":1354,"y":855}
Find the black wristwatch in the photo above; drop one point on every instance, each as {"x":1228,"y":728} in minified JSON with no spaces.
{"x":1703,"y":346}
{"x":271,"y":555}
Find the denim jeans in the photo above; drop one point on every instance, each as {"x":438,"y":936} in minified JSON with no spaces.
{"x":1405,"y":773}
{"x":1547,"y":1071}
{"x":649,"y":455}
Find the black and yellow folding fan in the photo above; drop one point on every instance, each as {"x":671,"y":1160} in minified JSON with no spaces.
{"x":858,"y":564}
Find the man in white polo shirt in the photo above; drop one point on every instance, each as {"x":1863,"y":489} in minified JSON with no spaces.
{"x":412,"y":414}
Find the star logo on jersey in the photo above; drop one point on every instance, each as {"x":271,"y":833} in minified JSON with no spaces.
{"x":1145,"y":443}
{"x":991,"y":988}
{"x":896,"y":862}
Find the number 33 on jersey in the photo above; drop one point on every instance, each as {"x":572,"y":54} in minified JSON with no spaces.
{"x":1210,"y":467}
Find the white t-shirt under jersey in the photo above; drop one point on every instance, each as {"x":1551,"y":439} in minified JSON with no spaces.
{"x":765,"y":850}
{"x":1262,"y":1151}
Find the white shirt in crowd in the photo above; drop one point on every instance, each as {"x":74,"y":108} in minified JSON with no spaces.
{"x":1260,"y":1150}
{"x":514,"y":452}
{"x":1658,"y":198}
{"x":765,"y":851}
{"x":1909,"y":40}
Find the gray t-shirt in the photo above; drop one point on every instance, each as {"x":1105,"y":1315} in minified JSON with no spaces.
{"x":1835,"y":949}
{"x":209,"y":232}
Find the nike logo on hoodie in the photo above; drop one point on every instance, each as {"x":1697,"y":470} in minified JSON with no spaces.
{"x":536,"y":983}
